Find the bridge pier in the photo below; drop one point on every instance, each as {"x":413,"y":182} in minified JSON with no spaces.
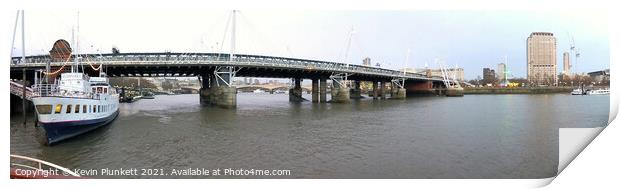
{"x":323,"y":90}
{"x":340,"y":92}
{"x":382,"y":89}
{"x":399,"y":93}
{"x":375,"y":90}
{"x":392,"y":88}
{"x":217,"y":89}
{"x":294,"y":94}
{"x":356,"y":92}
{"x":315,"y":90}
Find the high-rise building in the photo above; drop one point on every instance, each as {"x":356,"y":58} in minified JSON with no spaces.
{"x":501,"y":71}
{"x":366,"y":62}
{"x":488,"y":75}
{"x":566,"y":65}
{"x":541,"y":58}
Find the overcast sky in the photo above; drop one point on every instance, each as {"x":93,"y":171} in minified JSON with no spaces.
{"x":471,"y":39}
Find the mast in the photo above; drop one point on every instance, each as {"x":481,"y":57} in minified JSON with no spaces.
{"x":346,"y":52}
{"x":14,"y":32}
{"x":74,"y":53}
{"x":23,"y":39}
{"x":77,"y":43}
{"x":233,"y":35}
{"x":406,"y":62}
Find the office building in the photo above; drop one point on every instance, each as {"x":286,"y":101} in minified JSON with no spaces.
{"x":541,"y":58}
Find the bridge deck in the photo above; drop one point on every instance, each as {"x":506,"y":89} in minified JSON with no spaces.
{"x":192,"y":64}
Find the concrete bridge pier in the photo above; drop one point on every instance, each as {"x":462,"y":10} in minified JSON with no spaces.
{"x":323,"y":90}
{"x":294,"y":94}
{"x":398,"y":92}
{"x":340,"y":92}
{"x":356,"y":92}
{"x":217,"y":89}
{"x":375,"y":90}
{"x":392,"y":88}
{"x":382,"y":89}
{"x":315,"y":90}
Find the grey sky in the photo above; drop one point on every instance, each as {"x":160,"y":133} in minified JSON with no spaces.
{"x":471,"y":39}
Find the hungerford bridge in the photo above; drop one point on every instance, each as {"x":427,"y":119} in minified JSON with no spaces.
{"x":216,"y":72}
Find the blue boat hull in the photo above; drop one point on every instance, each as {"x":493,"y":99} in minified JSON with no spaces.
{"x":59,"y":131}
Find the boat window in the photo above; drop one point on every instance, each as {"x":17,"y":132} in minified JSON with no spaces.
{"x":84,"y":110}
{"x":98,"y":89}
{"x":44,"y":108}
{"x":99,"y":107}
{"x":77,"y":108}
{"x":94,"y":90}
{"x":58,"y":108}
{"x":94,"y":109}
{"x":105,"y":90}
{"x":68,"y":109}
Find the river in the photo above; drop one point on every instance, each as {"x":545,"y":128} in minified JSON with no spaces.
{"x":475,"y":136}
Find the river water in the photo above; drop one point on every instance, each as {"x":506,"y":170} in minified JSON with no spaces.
{"x":475,"y":136}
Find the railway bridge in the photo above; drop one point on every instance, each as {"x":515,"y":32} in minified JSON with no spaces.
{"x":216,"y":72}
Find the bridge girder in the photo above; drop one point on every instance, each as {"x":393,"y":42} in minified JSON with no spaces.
{"x":193,"y":64}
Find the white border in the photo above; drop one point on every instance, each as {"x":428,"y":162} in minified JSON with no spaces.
{"x":599,"y":160}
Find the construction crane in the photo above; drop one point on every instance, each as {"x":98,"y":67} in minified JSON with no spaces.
{"x":574,"y":50}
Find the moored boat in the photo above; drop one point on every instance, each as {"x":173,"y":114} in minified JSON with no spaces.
{"x":578,"y":91}
{"x":74,"y":105}
{"x":598,"y":92}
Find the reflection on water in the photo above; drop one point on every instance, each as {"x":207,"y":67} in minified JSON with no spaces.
{"x":476,"y":136}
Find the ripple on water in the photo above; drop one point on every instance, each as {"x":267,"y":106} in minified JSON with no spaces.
{"x":477,"y":136}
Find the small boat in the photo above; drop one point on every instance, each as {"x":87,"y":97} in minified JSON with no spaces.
{"x":598,"y":92}
{"x":259,"y":91}
{"x":23,"y":167}
{"x":578,"y":91}
{"x":148,"y":95}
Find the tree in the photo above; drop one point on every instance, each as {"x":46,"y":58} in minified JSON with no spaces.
{"x":131,"y":82}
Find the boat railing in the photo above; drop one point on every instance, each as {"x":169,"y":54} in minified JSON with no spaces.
{"x":45,"y":89}
{"x":38,"y":165}
{"x":42,"y":90}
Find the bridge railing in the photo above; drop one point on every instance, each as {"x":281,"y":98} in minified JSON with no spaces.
{"x":239,"y":60}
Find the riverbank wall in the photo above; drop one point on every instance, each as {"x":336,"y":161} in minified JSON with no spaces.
{"x":519,"y":90}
